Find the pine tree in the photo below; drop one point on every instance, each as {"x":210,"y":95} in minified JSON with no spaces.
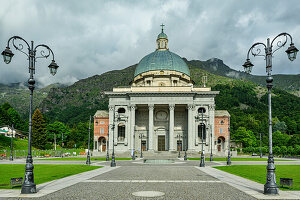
{"x":39,"y":138}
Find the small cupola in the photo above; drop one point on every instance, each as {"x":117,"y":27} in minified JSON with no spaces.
{"x":162,"y":40}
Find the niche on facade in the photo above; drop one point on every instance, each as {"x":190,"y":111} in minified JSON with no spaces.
{"x":202,"y":130}
{"x":121,"y":132}
{"x":201,"y":110}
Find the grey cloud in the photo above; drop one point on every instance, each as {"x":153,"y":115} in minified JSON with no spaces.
{"x":92,"y":37}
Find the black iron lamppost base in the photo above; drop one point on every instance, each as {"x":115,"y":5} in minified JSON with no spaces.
{"x":211,"y":158}
{"x":141,"y":155}
{"x":202,"y":164}
{"x":228,"y":161}
{"x":271,"y":187}
{"x":185,"y":156}
{"x":88,"y":161}
{"x":133,"y":156}
{"x":28,"y":185}
{"x":107,"y":157}
{"x":113,"y":162}
{"x":179,"y":156}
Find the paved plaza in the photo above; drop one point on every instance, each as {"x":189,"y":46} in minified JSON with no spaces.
{"x":136,"y":180}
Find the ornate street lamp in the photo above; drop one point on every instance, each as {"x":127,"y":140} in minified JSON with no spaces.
{"x":202,"y":162}
{"x":185,"y":147}
{"x":88,"y":159}
{"x":133,"y":153}
{"x":107,"y":147}
{"x":28,"y":185}
{"x":228,"y":158}
{"x":260,"y":155}
{"x":62,"y":145}
{"x":270,"y":187}
{"x":179,"y":136}
{"x":11,"y":144}
{"x":113,"y":160}
{"x":211,"y":144}
{"x":141,"y":137}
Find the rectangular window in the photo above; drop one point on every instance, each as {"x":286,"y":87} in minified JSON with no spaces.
{"x":221,"y":130}
{"x":101,"y":130}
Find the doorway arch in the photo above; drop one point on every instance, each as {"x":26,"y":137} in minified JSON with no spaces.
{"x":221,"y":144}
{"x":102,"y":144}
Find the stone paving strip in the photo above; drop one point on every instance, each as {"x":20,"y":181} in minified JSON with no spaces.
{"x":149,"y":181}
{"x":55,"y":185}
{"x":245,"y":185}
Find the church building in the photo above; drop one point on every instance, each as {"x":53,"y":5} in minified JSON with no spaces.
{"x":162,"y":110}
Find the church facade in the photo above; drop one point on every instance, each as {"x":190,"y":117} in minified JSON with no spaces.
{"x":162,"y":110}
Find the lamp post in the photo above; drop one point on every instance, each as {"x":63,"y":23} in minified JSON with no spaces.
{"x":107,"y":147}
{"x":133,"y":153}
{"x":202,"y":163}
{"x":62,"y":145}
{"x":260,"y":155}
{"x":185,"y":145}
{"x":270,"y":187}
{"x":113,"y":161}
{"x":88,"y":159}
{"x":211,"y":144}
{"x":28,"y":185}
{"x":141,"y":137}
{"x":11,"y":158}
{"x":179,"y":136}
{"x":228,"y":158}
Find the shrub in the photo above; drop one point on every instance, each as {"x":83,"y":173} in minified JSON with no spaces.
{"x":283,"y":150}
{"x":290,"y":150}
{"x":276,"y":150}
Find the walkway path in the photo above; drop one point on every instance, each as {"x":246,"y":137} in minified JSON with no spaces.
{"x":182,"y":180}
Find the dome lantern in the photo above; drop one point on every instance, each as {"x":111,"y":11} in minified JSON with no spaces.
{"x":162,"y":40}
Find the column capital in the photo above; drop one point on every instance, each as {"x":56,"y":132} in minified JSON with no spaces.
{"x":171,"y":106}
{"x":132,"y":107}
{"x":211,"y":107}
{"x":190,"y":106}
{"x":151,"y":106}
{"x":111,"y":108}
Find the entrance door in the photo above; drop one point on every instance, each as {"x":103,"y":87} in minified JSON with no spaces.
{"x":144,"y":145}
{"x":161,"y":143}
{"x":103,"y":147}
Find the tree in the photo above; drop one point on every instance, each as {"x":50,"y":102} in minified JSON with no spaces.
{"x":57,"y":128}
{"x":280,"y":126}
{"x":39,"y":138}
{"x":280,"y":139}
{"x":246,"y":137}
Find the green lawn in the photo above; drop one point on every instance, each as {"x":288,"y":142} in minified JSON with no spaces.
{"x":42,"y":173}
{"x":79,"y":159}
{"x":258,"y":173}
{"x":239,"y":159}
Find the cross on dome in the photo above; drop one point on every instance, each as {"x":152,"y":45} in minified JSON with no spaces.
{"x":162,"y":27}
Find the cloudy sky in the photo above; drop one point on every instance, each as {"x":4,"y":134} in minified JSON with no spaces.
{"x":93,"y":37}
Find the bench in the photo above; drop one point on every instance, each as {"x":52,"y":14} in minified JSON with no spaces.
{"x":16,"y":181}
{"x":286,"y":181}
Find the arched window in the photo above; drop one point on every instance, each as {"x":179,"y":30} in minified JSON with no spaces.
{"x":201,"y":128}
{"x":201,"y":110}
{"x":121,"y":110}
{"x":121,"y":132}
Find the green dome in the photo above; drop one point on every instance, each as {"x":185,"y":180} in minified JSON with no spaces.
{"x":162,"y":35}
{"x":162,"y":60}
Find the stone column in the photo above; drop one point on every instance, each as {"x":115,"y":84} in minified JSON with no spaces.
{"x":132,"y":112}
{"x":191,"y":134}
{"x":151,"y":129}
{"x":211,"y":113}
{"x":171,"y":127}
{"x":111,"y":121}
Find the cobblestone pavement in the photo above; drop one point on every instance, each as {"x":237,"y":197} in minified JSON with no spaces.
{"x":176,"y":181}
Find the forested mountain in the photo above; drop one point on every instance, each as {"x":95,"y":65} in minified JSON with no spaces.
{"x":244,"y":96}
